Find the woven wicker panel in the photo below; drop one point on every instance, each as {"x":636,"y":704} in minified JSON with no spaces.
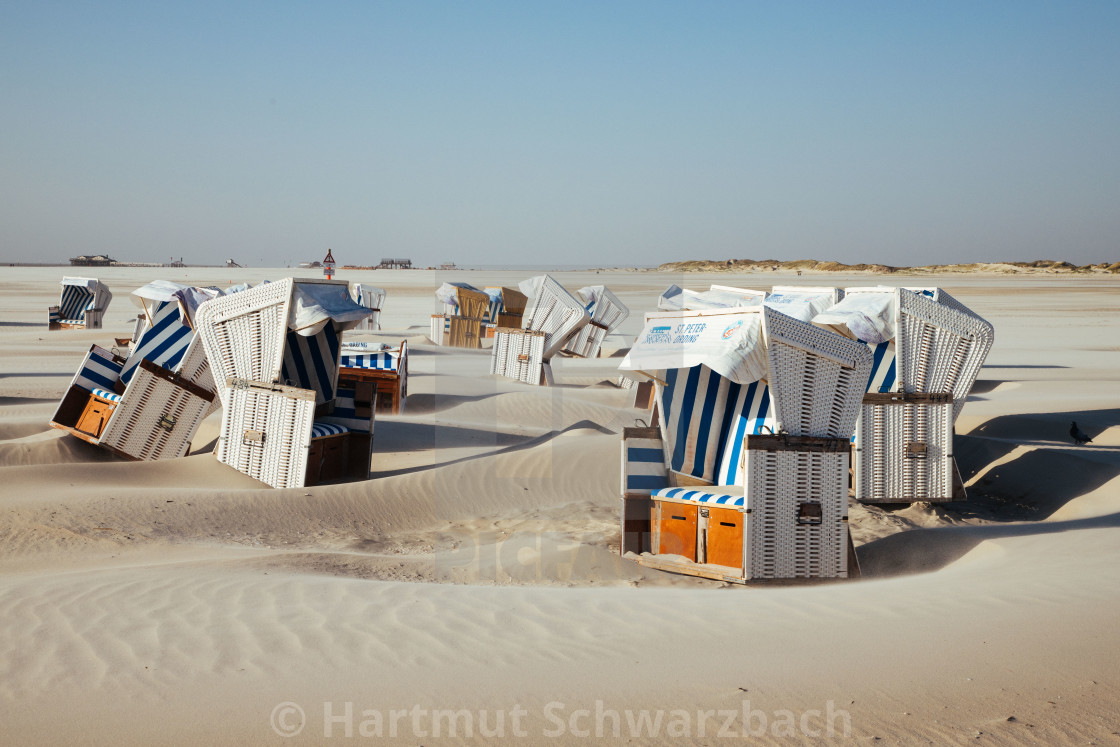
{"x":283,"y":417}
{"x":244,"y":333}
{"x":195,"y":368}
{"x":557,"y":313}
{"x":514,"y":301}
{"x":587,"y":342}
{"x":464,"y":333}
{"x":372,"y":298}
{"x":440,"y":325}
{"x":817,"y":378}
{"x":884,"y":472}
{"x":776,"y":545}
{"x":473,"y":304}
{"x":517,"y":355}
{"x":940,"y":350}
{"x":155,"y":419}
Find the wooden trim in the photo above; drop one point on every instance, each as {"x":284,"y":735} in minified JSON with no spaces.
{"x":796,"y":443}
{"x":287,"y":391}
{"x":162,"y":373}
{"x":641,"y":432}
{"x":904,"y":398}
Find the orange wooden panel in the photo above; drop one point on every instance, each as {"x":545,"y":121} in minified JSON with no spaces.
{"x":678,"y":530}
{"x":95,"y":416}
{"x":725,"y":537}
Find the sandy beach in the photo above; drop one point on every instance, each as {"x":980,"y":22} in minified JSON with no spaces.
{"x":473,"y":591}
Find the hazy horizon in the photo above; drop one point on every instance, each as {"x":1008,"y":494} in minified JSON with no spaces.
{"x":603,"y":134}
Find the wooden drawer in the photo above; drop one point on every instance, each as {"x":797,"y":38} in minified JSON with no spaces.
{"x":725,"y":537}
{"x":95,"y":416}
{"x":676,"y":524}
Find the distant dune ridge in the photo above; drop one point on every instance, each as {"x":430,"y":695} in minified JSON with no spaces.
{"x":1039,"y":266}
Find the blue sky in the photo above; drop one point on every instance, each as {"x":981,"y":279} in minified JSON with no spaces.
{"x":588,"y":133}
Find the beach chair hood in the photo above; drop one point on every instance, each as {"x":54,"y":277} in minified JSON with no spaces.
{"x":94,"y":295}
{"x":676,"y":298}
{"x":316,"y":304}
{"x":802,"y":303}
{"x":158,"y":292}
{"x":868,"y":316}
{"x":448,"y":293}
{"x":730,"y":343}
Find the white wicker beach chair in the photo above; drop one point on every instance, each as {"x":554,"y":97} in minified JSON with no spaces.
{"x":373,"y":298}
{"x":524,"y":354}
{"x":275,"y":349}
{"x":607,"y":312}
{"x":82,"y":304}
{"x":725,"y":381}
{"x":929,"y":349}
{"x":149,"y":404}
{"x":676,"y":298}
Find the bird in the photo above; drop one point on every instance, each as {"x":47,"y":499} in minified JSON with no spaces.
{"x":1079,"y":436}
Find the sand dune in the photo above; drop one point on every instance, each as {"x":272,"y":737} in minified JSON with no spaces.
{"x":182,"y":601}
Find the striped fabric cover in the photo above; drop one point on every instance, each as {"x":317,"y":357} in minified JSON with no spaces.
{"x":320,"y":429}
{"x":384,"y":361}
{"x":496,"y":307}
{"x":76,"y":300}
{"x":705,"y":418}
{"x":103,"y":394}
{"x":98,"y":372}
{"x":883,"y":374}
{"x":644,"y":466}
{"x":163,"y":342}
{"x":312,"y":362}
{"x":699,"y":496}
{"x":53,"y":315}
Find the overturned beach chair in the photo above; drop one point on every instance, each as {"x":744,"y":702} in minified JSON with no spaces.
{"x":275,"y":352}
{"x":506,"y":309}
{"x":82,"y":304}
{"x":377,"y":373}
{"x":607,"y":312}
{"x":146,"y":405}
{"x":745,"y":475}
{"x":676,"y":298}
{"x":466,"y":314}
{"x":928,"y":350}
{"x":372,"y":298}
{"x":553,"y":316}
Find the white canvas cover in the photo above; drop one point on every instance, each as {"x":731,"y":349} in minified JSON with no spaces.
{"x":866,"y":315}
{"x":314,"y":304}
{"x":801,"y":303}
{"x":92,"y":284}
{"x":717,"y":297}
{"x":448,"y":295}
{"x":728,"y":342}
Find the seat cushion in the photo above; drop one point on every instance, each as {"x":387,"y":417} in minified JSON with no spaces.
{"x":321,"y":430}
{"x":700,"y":496}
{"x":105,"y":394}
{"x":377,"y":361}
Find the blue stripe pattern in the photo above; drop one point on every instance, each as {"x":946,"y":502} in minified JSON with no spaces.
{"x":883,"y":374}
{"x":319,"y":429}
{"x":705,"y":418}
{"x":700,"y":496}
{"x":163,"y":342}
{"x":103,"y":394}
{"x":76,"y":300}
{"x":312,"y":362}
{"x":376,"y":361}
{"x":98,"y":372}
{"x":345,"y":412}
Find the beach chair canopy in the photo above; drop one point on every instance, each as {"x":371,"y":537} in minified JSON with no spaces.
{"x":802,"y":303}
{"x":448,"y":295}
{"x":552,"y":310}
{"x":604,"y":306}
{"x":369,"y":296}
{"x":186,"y":297}
{"x":724,"y":374}
{"x":315,"y":304}
{"x":80,"y":295}
{"x":676,"y":298}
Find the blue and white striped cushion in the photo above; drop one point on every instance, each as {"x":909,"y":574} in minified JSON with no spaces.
{"x":72,"y":321}
{"x":53,"y":314}
{"x":163,"y":342}
{"x":883,"y":374}
{"x":700,"y":496}
{"x":103,"y":394}
{"x":320,"y":429}
{"x":76,"y":300}
{"x":344,"y":412}
{"x":98,"y":372}
{"x":312,"y":362}
{"x":705,"y":417}
{"x":376,"y":361}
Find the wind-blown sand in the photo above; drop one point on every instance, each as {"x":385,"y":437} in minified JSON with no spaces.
{"x":181,"y":601}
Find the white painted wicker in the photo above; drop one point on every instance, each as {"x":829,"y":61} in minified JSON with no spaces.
{"x":371,"y":297}
{"x":557,"y":313}
{"x":776,"y":543}
{"x":157,"y":416}
{"x":817,"y":378}
{"x":518,"y":354}
{"x":939,"y":349}
{"x":904,"y":451}
{"x":606,"y":314}
{"x":266,"y":431}
{"x":244,"y":333}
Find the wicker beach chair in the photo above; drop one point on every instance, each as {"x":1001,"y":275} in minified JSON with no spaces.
{"x":373,"y":298}
{"x":607,"y":312}
{"x":275,"y":350}
{"x":552,"y":317}
{"x":377,"y":373}
{"x":149,"y":404}
{"x":465,"y":317}
{"x":81,"y":305}
{"x":928,"y":351}
{"x":754,"y":414}
{"x":676,"y":298}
